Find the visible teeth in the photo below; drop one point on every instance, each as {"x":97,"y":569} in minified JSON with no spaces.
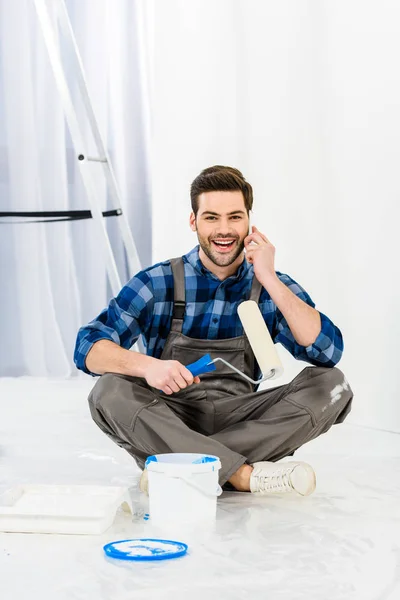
{"x":224,"y":243}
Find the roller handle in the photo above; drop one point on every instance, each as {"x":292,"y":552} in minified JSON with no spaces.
{"x":203,"y":365}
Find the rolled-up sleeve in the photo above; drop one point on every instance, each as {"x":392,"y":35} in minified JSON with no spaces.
{"x":327,"y":349}
{"x":123,"y":321}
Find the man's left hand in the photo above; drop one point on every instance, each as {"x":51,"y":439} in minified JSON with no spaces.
{"x":261,"y":254}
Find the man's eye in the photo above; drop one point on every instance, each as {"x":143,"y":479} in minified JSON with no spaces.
{"x":236,"y":217}
{"x":210,"y":218}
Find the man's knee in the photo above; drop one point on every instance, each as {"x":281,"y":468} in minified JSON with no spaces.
{"x":103,"y":391}
{"x":104,"y":385}
{"x":336,"y":395}
{"x":334,"y":381}
{"x":118,"y":398}
{"x":100,"y":398}
{"x":325,"y":392}
{"x":327,"y":378}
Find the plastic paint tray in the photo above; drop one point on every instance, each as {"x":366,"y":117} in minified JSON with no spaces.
{"x":144,"y":549}
{"x":69,"y":509}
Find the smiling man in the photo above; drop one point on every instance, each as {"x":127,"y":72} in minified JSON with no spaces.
{"x":187,"y":307}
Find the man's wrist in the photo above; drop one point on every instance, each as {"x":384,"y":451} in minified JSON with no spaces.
{"x":139,"y":363}
{"x":270,"y":281}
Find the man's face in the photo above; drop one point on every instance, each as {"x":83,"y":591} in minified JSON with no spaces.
{"x":222,"y":223}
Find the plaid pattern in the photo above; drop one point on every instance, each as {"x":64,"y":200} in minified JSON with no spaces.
{"x":144,"y":307}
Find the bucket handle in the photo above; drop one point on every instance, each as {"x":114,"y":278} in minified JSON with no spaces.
{"x":194,"y":485}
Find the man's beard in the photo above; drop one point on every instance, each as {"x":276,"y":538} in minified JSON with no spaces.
{"x":220,"y":259}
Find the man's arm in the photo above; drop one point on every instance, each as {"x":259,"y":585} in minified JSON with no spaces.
{"x":166,"y":375}
{"x":303,"y":320}
{"x":120,"y":325}
{"x":307,"y":334}
{"x":107,"y":357}
{"x":103,"y":345}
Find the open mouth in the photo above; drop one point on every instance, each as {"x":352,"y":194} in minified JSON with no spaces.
{"x":223,"y":245}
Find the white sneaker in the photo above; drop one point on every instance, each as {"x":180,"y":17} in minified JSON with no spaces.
{"x":144,"y":482}
{"x":278,"y":478}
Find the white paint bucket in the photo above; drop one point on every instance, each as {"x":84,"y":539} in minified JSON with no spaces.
{"x":183,"y":488}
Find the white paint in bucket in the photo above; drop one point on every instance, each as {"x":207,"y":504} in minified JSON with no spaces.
{"x":183,"y":488}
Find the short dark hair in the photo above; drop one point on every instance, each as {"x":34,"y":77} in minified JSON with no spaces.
{"x":220,"y":179}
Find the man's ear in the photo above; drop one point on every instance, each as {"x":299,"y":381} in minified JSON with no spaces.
{"x":192,"y":221}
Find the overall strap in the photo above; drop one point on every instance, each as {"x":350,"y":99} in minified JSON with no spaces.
{"x":255,"y":293}
{"x":256,"y":288}
{"x":178,"y":273}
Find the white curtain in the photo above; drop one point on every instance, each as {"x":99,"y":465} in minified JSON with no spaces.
{"x":52,"y":275}
{"x":303,"y":96}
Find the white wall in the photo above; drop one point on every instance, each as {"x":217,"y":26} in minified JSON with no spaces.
{"x":303,"y":97}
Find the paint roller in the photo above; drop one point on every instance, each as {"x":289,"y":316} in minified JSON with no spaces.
{"x":260,"y":341}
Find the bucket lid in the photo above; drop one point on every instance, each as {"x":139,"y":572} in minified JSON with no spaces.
{"x":195,"y":463}
{"x":145,"y":549}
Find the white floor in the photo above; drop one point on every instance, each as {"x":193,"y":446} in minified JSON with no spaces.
{"x":343,"y":542}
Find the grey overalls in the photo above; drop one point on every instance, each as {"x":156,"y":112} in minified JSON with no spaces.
{"x":222,"y":415}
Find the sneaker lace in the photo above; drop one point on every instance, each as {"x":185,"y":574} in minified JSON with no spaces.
{"x":278,"y":481}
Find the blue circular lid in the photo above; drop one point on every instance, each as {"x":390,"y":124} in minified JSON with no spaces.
{"x":145,"y":549}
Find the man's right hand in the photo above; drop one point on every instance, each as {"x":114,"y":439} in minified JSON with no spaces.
{"x":169,"y":376}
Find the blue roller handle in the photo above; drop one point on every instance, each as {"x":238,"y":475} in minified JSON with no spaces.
{"x":203,"y":365}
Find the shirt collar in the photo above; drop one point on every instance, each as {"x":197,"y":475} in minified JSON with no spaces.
{"x":193,"y":259}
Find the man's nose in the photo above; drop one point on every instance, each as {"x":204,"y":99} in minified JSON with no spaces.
{"x":225,"y":226}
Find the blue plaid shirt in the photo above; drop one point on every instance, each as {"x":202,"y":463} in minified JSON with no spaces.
{"x":145,"y":304}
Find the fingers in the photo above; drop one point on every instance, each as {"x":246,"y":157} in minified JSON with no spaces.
{"x":255,"y":237}
{"x":174,"y":386}
{"x":182,"y":379}
{"x":264,"y":237}
{"x":249,"y":258}
{"x":186,"y":375}
{"x":168,"y":376}
{"x":247,"y":242}
{"x":179,"y":379}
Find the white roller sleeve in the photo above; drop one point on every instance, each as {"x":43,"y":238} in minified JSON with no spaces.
{"x":259,"y":338}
